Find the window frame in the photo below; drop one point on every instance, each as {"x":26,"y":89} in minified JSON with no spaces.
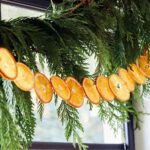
{"x":41,"y":5}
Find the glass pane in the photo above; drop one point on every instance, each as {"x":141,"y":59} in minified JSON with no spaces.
{"x":50,"y":128}
{"x":10,"y":11}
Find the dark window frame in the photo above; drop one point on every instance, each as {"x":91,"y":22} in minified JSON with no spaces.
{"x":128,"y":127}
{"x":30,"y":4}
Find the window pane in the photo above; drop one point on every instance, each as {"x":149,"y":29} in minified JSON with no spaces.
{"x":10,"y":11}
{"x":50,"y":128}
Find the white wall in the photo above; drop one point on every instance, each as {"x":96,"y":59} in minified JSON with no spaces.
{"x":142,"y":137}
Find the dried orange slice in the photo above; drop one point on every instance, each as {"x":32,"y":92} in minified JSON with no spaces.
{"x":119,"y":88}
{"x":102,"y":85}
{"x":91,"y":91}
{"x":60,"y":87}
{"x":4,"y":76}
{"x":136,"y":74}
{"x":77,"y":94}
{"x":144,"y":65}
{"x":8,"y":66}
{"x":43,"y":88}
{"x":124,"y":75}
{"x":146,"y":51}
{"x":25,"y":77}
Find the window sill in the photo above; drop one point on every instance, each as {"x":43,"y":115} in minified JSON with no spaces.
{"x":69,"y":146}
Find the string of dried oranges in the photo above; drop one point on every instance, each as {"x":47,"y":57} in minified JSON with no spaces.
{"x":107,"y":88}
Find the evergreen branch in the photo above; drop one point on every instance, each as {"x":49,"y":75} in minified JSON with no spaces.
{"x":115,"y":32}
{"x":40,"y":109}
{"x":117,"y":113}
{"x":10,"y":136}
{"x":69,"y":118}
{"x":138,"y":94}
{"x":90,"y":105}
{"x":82,"y":3}
{"x":55,"y":98}
{"x":24,"y":114}
{"x":8,"y":89}
{"x":146,"y":88}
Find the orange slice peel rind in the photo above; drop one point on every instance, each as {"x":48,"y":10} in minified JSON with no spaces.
{"x":77,"y":93}
{"x":144,"y":65}
{"x":25,"y":77}
{"x":102,"y":84}
{"x":91,"y":91}
{"x":119,"y":88}
{"x":60,"y":87}
{"x":43,"y":88}
{"x":136,"y":74}
{"x":8,"y":66}
{"x":124,"y":75}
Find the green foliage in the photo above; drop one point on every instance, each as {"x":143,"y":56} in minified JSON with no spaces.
{"x":146,"y":88}
{"x":24,"y":115}
{"x":70,"y":119}
{"x":116,"y":113}
{"x":115,"y":32}
{"x":9,"y":135}
{"x":17,"y":119}
{"x":138,"y":93}
{"x":40,"y":109}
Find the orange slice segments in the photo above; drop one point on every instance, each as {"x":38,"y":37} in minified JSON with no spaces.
{"x":77,"y":94}
{"x":25,"y":77}
{"x":8,"y":66}
{"x":91,"y":91}
{"x":102,"y":85}
{"x":124,"y":75}
{"x":144,"y":65}
{"x":136,"y":74}
{"x":119,"y":88}
{"x":60,"y":87}
{"x":43,"y":88}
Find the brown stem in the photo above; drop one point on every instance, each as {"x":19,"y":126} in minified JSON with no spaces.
{"x":83,"y":2}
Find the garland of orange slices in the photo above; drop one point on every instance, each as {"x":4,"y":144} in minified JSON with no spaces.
{"x":116,"y":86}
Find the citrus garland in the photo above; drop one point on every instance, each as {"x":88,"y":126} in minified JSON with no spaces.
{"x":107,"y":88}
{"x":114,"y":33}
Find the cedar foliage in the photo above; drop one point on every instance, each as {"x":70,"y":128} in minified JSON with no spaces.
{"x":116,"y":32}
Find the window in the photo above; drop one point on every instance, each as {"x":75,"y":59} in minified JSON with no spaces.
{"x":12,"y":11}
{"x":50,"y":129}
{"x":95,"y":130}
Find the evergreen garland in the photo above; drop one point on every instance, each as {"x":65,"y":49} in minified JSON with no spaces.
{"x":115,"y":32}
